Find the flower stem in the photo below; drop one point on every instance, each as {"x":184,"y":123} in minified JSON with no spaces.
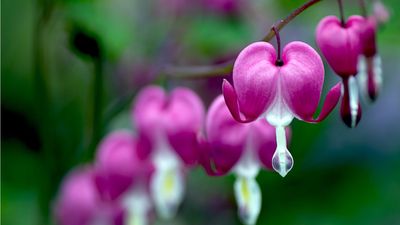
{"x":279,"y":61}
{"x":340,"y":3}
{"x":97,"y":109}
{"x":282,"y":23}
{"x":193,"y":72}
{"x":363,"y":8}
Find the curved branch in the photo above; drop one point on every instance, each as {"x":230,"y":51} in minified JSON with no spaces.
{"x":193,"y":72}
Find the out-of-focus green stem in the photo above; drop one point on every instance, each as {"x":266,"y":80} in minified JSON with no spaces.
{"x":43,"y":113}
{"x":363,"y":8}
{"x":97,"y":107}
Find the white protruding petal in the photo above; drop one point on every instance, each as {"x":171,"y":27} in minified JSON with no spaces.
{"x":248,"y":165}
{"x":354,"y":100}
{"x":167,"y":185}
{"x":282,"y":160}
{"x":137,"y":205}
{"x":378,"y":71}
{"x":248,"y":198}
{"x":362,"y":76}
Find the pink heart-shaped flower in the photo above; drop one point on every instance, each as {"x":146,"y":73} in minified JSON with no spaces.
{"x":260,"y":84}
{"x":176,"y":118}
{"x":340,"y":43}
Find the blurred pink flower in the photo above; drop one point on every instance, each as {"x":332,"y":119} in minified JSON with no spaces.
{"x":79,"y":203}
{"x":369,"y":63}
{"x":228,"y":140}
{"x":172,"y":120}
{"x":168,"y":126}
{"x":122,"y":177}
{"x":118,"y":168}
{"x":240,"y":148}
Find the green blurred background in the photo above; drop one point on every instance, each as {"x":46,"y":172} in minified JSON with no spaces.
{"x":53,"y":51}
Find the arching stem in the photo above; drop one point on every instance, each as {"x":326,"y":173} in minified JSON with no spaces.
{"x":193,"y":72}
{"x":279,"y":61}
{"x":363,"y":8}
{"x":342,"y":21}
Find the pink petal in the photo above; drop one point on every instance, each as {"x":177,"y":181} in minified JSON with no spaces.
{"x":147,"y":118}
{"x":341,"y":46}
{"x":117,"y":166}
{"x":331,"y":100}
{"x":78,"y":201}
{"x":368,"y":37}
{"x":302,"y":77}
{"x":254,"y":79}
{"x":177,"y":118}
{"x":231,"y":101}
{"x":183,"y":120}
{"x":226,"y":138}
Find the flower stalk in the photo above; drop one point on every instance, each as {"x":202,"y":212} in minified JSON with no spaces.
{"x":194,"y":72}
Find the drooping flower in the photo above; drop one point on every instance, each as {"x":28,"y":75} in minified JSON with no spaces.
{"x":121,"y":177}
{"x":241,"y":148}
{"x":369,"y":63}
{"x":168,"y":126}
{"x":341,"y":45}
{"x":79,"y":203}
{"x":279,"y":88}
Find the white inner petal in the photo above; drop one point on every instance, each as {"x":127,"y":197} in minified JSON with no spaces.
{"x":167,"y":185}
{"x":354,"y":99}
{"x":248,"y":198}
{"x":282,"y":160}
{"x":279,"y":114}
{"x":378,"y":71}
{"x":248,"y":165}
{"x":362,"y":76}
{"x":137,"y":205}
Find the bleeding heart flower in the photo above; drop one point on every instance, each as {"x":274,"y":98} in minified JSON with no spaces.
{"x":369,"y":63}
{"x":241,"y":148}
{"x":168,"y":126}
{"x":279,"y":88}
{"x":341,"y":45}
{"x":79,"y":202}
{"x":122,"y":177}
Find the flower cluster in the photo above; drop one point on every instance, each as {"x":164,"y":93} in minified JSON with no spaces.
{"x":245,"y":129}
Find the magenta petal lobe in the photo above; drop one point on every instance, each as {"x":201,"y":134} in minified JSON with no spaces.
{"x":340,"y":45}
{"x":302,"y":77}
{"x":254,"y":78}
